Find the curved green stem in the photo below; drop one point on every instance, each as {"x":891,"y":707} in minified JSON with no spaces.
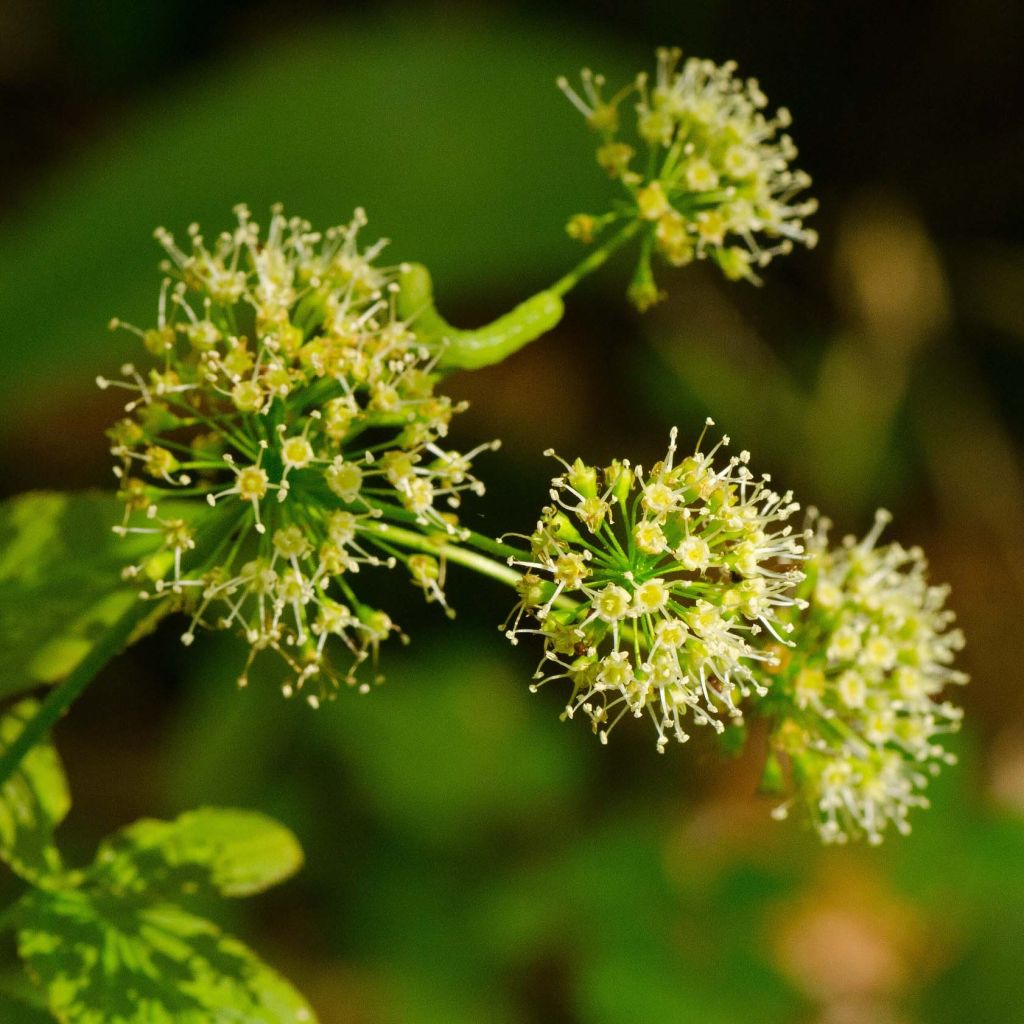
{"x":471,"y":349}
{"x":60,"y":698}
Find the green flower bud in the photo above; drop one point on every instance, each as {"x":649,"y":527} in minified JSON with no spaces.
{"x":583,"y":479}
{"x":618,"y":478}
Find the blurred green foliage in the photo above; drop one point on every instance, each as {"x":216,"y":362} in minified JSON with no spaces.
{"x":321,"y":123}
{"x":33,"y":802}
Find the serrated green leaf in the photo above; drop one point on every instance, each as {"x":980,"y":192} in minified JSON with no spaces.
{"x":237,"y":853}
{"x":33,"y":802}
{"x":60,"y":582}
{"x":103,"y":960}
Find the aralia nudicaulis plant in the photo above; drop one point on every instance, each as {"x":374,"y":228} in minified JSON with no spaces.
{"x":289,"y":433}
{"x":286,"y":433}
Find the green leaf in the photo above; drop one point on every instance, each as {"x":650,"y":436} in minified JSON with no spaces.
{"x":103,"y":960}
{"x":238,"y":853}
{"x":33,"y":802}
{"x":60,"y":582}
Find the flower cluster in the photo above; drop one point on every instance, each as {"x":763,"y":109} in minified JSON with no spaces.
{"x":716,"y":179}
{"x":862,"y":709}
{"x":286,"y":393}
{"x":651,"y":589}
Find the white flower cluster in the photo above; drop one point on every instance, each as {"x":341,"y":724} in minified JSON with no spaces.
{"x":651,"y":589}
{"x":873,"y":655}
{"x":287,"y":393}
{"x":717,"y":179}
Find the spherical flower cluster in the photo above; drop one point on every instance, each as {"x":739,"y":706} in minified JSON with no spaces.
{"x":287,"y":394}
{"x":716,"y":180}
{"x":862,"y":710}
{"x":651,"y":589}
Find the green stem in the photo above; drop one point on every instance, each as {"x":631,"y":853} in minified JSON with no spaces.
{"x":482,"y":564}
{"x":477,"y":540}
{"x":60,"y":698}
{"x":484,"y":346}
{"x":595,"y":259}
{"x":453,"y":553}
{"x":392,"y":511}
{"x":495,"y":547}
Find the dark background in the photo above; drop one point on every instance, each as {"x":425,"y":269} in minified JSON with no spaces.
{"x":469,"y":858}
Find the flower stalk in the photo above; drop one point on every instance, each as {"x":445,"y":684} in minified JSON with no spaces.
{"x":596,"y":258}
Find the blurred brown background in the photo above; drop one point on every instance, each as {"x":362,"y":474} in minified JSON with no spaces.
{"x":469,"y":857}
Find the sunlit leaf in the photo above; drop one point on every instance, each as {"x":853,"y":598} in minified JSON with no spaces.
{"x":236,"y":852}
{"x":33,"y":802}
{"x":60,"y":582}
{"x":103,"y":960}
